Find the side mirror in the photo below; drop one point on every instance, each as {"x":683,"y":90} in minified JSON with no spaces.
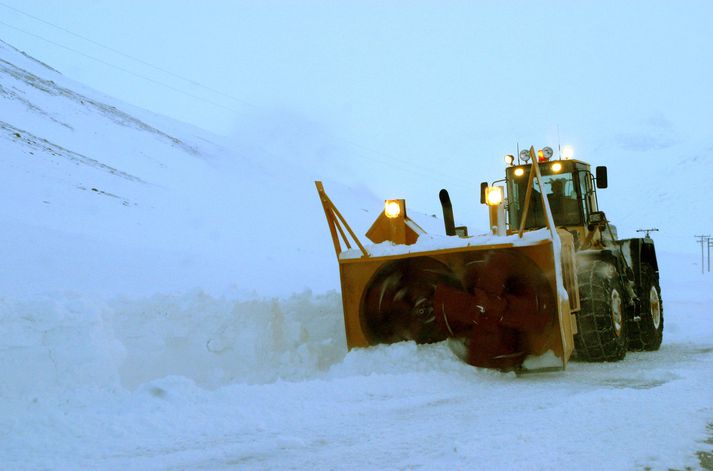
{"x":483,"y":187}
{"x":602,"y":177}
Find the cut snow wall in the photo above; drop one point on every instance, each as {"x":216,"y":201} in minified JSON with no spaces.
{"x":70,"y":342}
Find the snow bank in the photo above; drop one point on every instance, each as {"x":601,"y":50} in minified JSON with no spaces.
{"x":64,"y":342}
{"x":69,"y":342}
{"x":214,"y":341}
{"x":56,"y":344}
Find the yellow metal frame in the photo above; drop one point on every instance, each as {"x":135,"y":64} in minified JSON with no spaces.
{"x":335,"y":221}
{"x":535,"y":173}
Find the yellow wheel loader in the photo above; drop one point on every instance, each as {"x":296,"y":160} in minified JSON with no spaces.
{"x":549,"y":280}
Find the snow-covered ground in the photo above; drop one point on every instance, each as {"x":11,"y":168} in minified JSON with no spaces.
{"x":168,"y":302}
{"x":198,"y":382}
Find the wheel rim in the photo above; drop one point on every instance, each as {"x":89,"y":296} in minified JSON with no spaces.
{"x":655,"y":307}
{"x":616,"y":312}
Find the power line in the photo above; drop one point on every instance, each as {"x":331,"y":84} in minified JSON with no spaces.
{"x":405,"y":165}
{"x":129,"y":56}
{"x":108,"y":64}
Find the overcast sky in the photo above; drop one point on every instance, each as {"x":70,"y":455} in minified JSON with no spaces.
{"x":438,"y":89}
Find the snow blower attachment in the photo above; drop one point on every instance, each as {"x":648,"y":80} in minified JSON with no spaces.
{"x":500,"y":300}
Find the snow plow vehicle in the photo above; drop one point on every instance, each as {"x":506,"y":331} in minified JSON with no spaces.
{"x":550,"y":280}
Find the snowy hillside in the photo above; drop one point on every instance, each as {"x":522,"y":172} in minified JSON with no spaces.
{"x":104,"y":197}
{"x":169,"y":302}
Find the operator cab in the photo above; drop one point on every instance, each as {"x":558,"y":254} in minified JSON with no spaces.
{"x":569,"y":188}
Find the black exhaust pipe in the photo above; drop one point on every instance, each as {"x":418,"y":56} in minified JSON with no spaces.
{"x":447,"y":212}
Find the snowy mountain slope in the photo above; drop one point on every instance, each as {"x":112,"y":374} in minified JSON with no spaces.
{"x":136,"y":251}
{"x":92,"y":176}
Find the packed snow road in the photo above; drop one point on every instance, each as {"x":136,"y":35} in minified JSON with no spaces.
{"x":632,"y":416}
{"x":204,"y":383}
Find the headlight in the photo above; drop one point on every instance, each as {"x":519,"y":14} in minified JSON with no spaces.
{"x":494,"y":195}
{"x":509,"y":159}
{"x":525,"y":155}
{"x":392,"y":209}
{"x":567,"y":152}
{"x":519,"y":172}
{"x":556,"y":167}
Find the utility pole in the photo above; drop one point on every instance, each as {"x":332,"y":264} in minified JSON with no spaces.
{"x":653,"y":229}
{"x":710,"y":244}
{"x":704,"y":240}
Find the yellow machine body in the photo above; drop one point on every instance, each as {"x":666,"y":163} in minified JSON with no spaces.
{"x":501,"y":301}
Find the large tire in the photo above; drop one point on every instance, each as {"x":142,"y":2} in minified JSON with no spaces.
{"x":646,"y":332}
{"x":601,"y":321}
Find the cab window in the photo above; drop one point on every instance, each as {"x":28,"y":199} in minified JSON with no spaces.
{"x":561,"y":192}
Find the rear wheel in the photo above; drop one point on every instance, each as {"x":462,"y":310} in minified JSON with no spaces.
{"x":600,"y":323}
{"x":646,"y":333}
